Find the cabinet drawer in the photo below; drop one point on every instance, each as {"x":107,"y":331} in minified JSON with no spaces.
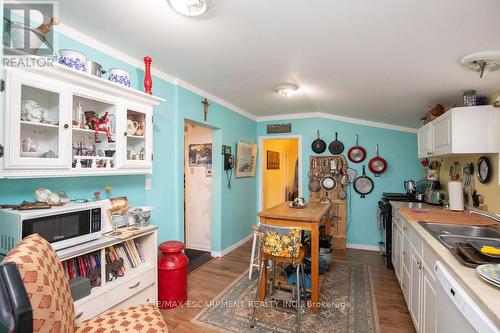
{"x":146,"y":295}
{"x":91,"y":308}
{"x":129,"y":288}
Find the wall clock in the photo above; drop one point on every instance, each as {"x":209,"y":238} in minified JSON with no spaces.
{"x":484,"y":169}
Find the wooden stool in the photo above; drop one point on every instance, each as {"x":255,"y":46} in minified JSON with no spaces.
{"x":253,"y":257}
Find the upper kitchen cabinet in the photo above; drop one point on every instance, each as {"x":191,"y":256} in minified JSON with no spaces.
{"x":461,"y":130}
{"x":36,"y":124}
{"x":62,"y":122}
{"x":424,"y":135}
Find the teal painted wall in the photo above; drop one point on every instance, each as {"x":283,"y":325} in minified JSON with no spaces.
{"x":232,"y":211}
{"x":398,"y":148}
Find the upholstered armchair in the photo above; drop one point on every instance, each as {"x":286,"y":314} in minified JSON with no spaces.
{"x":52,"y":306}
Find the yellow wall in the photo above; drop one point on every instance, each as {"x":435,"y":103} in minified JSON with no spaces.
{"x":490,"y":191}
{"x":274,"y":179}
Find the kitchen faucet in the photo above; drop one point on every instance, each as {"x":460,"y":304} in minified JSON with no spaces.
{"x":491,"y":216}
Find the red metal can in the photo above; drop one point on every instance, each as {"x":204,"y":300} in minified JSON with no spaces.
{"x":172,"y":275}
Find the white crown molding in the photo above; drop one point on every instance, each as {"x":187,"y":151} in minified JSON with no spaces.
{"x":336,"y":117}
{"x":92,"y":42}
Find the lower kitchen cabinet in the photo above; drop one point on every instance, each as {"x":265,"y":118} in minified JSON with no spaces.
{"x":415,"y":276}
{"x":415,"y":288}
{"x":429,"y":320}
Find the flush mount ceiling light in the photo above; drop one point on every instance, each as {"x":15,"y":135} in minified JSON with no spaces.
{"x":189,"y":8}
{"x":287,"y":89}
{"x":482,"y":61}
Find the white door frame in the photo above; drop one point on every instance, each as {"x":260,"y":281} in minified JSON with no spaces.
{"x":261,"y":164}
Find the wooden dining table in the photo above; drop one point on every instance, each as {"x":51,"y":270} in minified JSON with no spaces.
{"x":309,"y":218}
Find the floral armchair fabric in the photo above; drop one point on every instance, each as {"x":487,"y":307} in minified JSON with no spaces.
{"x":50,"y":297}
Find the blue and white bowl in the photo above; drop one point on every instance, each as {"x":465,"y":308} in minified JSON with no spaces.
{"x":120,"y":76}
{"x":73,"y":59}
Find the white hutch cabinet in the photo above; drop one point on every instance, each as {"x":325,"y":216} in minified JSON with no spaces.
{"x":49,"y":125}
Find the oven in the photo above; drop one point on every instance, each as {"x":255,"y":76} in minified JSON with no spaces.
{"x":384,"y":220}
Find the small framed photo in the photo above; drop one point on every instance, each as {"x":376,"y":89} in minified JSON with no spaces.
{"x":273,"y":160}
{"x":246,"y":159}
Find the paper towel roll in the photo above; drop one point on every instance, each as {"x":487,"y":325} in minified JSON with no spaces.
{"x":456,"y":195}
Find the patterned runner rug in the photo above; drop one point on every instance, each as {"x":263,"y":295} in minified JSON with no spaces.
{"x":347,"y":305}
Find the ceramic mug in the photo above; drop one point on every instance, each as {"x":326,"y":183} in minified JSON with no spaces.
{"x":132,"y":127}
{"x":120,"y":76}
{"x":29,"y":145}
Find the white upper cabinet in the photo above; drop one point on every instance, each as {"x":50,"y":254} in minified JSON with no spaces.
{"x":461,"y":130}
{"x":61,"y":122}
{"x":425,"y":141}
{"x":37,"y":127}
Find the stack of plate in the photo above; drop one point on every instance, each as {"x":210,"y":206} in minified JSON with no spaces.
{"x":490,"y":273}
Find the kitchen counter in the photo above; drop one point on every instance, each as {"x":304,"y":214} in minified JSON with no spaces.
{"x":486,"y":295}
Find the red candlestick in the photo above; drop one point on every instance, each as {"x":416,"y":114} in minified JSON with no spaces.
{"x":148,"y":83}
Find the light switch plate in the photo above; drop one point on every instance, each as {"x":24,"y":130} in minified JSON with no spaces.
{"x":149,"y":184}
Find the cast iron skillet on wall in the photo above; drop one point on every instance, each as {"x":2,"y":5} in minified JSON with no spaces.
{"x":336,"y":147}
{"x":318,"y":146}
{"x":356,"y":154}
{"x":363,"y":185}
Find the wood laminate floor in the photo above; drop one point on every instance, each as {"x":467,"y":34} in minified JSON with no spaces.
{"x":208,"y":281}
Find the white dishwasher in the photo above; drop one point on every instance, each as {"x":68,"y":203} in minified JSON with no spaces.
{"x":456,"y":311}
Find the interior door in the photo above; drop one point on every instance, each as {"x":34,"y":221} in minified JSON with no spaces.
{"x":37,"y":127}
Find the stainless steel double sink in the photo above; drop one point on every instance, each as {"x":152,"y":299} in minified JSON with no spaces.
{"x":451,"y":234}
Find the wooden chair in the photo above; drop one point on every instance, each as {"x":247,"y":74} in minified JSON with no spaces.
{"x":296,"y":259}
{"x":52,"y":307}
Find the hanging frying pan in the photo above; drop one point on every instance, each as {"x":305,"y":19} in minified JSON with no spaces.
{"x":314,"y":184}
{"x":336,"y":147}
{"x":356,"y":154}
{"x":328,"y":183}
{"x":318,"y":146}
{"x":377,"y":165}
{"x":363,"y":185}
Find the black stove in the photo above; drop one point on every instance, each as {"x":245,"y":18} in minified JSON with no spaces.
{"x":384,"y":219}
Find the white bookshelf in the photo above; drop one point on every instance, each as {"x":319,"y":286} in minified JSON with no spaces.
{"x":137,"y":286}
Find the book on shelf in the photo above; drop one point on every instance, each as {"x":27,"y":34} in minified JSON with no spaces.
{"x":81,"y":265}
{"x":130,"y":254}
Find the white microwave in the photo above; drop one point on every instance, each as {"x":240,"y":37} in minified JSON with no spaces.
{"x":62,"y":227}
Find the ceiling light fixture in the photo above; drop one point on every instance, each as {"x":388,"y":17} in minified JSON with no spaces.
{"x":482,"y":62}
{"x":287,"y":89}
{"x":189,"y":8}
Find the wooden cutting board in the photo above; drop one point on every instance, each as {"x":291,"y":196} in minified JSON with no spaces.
{"x":444,"y":216}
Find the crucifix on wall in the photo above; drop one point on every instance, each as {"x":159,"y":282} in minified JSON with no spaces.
{"x":205,"y":108}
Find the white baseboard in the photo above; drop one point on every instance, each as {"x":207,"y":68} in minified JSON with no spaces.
{"x":232,"y":247}
{"x":363,"y":247}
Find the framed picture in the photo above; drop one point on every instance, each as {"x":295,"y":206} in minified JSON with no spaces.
{"x":273,"y":160}
{"x":246,"y":158}
{"x":200,"y":155}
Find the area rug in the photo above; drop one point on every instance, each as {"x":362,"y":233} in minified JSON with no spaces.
{"x":197,"y":259}
{"x":347,"y":305}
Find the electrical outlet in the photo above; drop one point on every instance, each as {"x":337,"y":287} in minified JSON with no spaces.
{"x":149,"y":184}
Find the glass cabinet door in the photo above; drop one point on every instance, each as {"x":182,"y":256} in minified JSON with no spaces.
{"x":137,"y":137}
{"x":37,"y":123}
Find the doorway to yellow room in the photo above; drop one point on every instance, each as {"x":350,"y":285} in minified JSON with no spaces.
{"x":281,"y":171}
